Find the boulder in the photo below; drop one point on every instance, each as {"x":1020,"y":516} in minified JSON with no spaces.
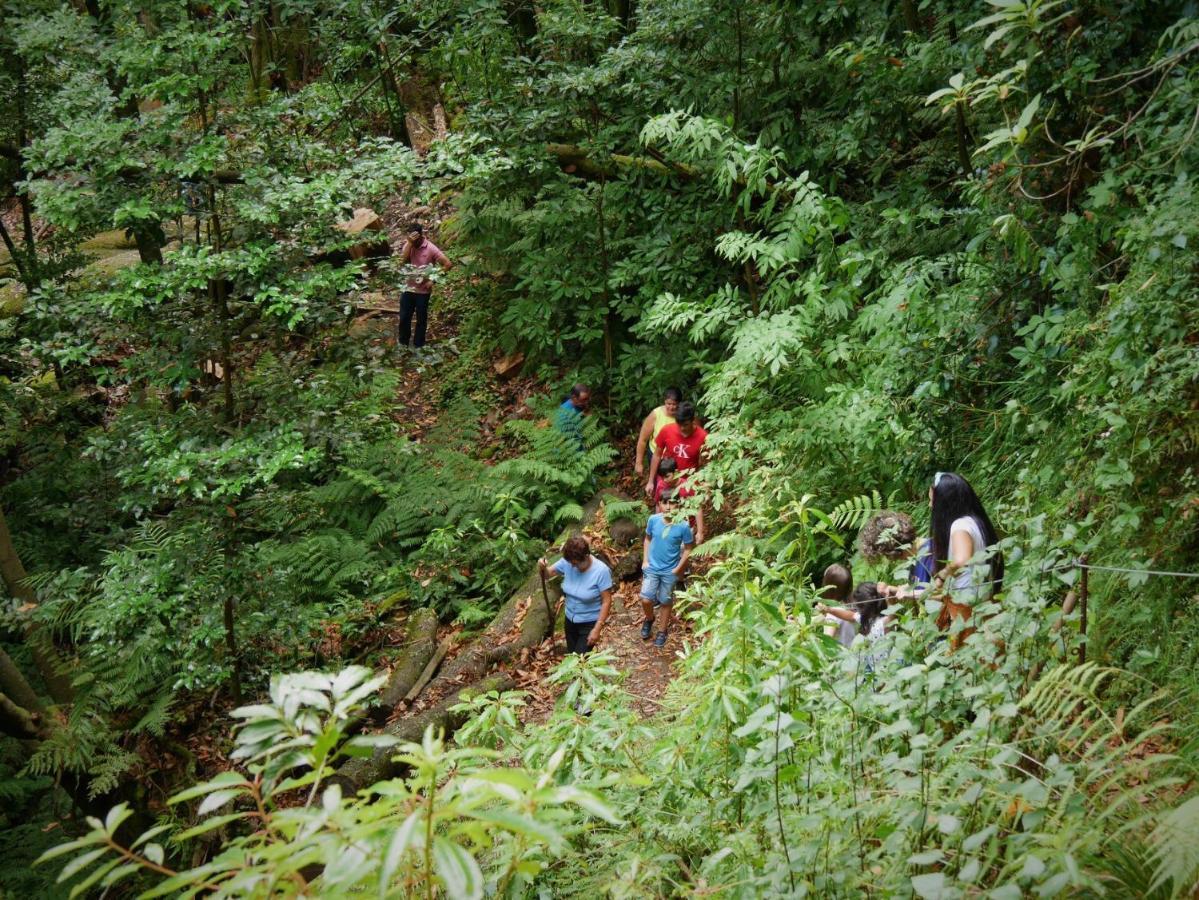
{"x":116,"y":239}
{"x":12,"y":299}
{"x":508,"y":367}
{"x":366,"y":223}
{"x":624,"y":532}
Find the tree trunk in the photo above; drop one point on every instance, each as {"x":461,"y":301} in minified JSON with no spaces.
{"x":16,"y":686}
{"x":522,"y":19}
{"x":45,"y":657}
{"x":963,"y":150}
{"x":150,"y":239}
{"x":18,"y":258}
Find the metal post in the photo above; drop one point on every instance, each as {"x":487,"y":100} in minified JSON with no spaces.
{"x":1082,"y":605}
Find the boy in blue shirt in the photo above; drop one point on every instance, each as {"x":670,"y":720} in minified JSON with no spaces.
{"x":587,"y":587}
{"x":664,"y":553}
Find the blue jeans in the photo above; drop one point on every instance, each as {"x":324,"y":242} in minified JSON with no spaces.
{"x":658,"y":588}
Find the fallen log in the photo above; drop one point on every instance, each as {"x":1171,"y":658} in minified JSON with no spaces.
{"x":362,"y":772}
{"x":576,"y":160}
{"x":523,"y":622}
{"x":420,"y":640}
{"x":430,"y":670}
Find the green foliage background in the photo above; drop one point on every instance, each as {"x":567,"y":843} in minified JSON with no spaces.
{"x":873,"y":240}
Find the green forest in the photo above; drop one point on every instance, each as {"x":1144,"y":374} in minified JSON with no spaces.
{"x":280,"y":611}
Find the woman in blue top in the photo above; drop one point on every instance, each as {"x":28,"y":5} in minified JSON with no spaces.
{"x":587,"y":587}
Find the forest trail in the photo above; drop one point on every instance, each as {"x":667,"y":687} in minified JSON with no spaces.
{"x":648,"y":670}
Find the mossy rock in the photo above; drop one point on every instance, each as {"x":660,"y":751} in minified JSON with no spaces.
{"x":109,"y":240}
{"x":12,"y":299}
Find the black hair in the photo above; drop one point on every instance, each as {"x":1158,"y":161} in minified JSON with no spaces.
{"x":579,"y":390}
{"x":673,"y":393}
{"x":869,"y":604}
{"x":685,"y":414}
{"x":839,"y":579}
{"x":669,"y":495}
{"x":417,"y":227}
{"x":667,"y":466}
{"x":953,"y":499}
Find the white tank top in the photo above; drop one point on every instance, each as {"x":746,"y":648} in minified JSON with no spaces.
{"x":971,"y":583}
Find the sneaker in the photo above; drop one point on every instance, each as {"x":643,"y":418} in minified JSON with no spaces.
{"x":660,"y":640}
{"x":647,"y":628}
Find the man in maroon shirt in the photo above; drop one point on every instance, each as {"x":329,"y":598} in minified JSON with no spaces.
{"x":419,"y":252}
{"x":683,"y":442}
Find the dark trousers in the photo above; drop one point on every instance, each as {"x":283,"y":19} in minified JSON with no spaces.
{"x":576,"y":636}
{"x":409,"y":303}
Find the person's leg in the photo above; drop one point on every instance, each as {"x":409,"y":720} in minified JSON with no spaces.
{"x":576,"y":636}
{"x":422,"y":320}
{"x":649,"y":590}
{"x":664,"y":603}
{"x":404,"y":320}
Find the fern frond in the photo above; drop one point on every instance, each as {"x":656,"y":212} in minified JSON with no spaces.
{"x":854,"y":512}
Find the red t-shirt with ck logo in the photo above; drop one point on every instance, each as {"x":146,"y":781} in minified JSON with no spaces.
{"x":683,"y":450}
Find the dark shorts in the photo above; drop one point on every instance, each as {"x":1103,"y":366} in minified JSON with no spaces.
{"x":576,"y":636}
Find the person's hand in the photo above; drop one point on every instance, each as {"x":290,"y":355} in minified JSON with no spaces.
{"x":639,"y":466}
{"x":884,"y":589}
{"x":542,"y":565}
{"x":649,"y":488}
{"x":821,"y":608}
{"x":594,"y":636}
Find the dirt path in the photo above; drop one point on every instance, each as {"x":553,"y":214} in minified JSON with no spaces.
{"x":648,"y":669}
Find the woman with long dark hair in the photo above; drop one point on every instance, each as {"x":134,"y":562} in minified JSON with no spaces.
{"x":966,"y":545}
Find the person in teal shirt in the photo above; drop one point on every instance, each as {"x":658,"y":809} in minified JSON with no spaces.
{"x":571,"y":412}
{"x":664,"y":553}
{"x":587,"y":587}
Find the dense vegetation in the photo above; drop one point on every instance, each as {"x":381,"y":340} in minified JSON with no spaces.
{"x":873,"y":240}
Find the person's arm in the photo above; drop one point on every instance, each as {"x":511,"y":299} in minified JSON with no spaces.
{"x":682,"y":566}
{"x":699,"y":523}
{"x":961,"y":550}
{"x":647,"y":431}
{"x":605,"y":606}
{"x":837,"y":612}
{"x":653,"y":474}
{"x":547,"y":570}
{"x":645,"y":552}
{"x":444,"y":260}
{"x":406,"y":253}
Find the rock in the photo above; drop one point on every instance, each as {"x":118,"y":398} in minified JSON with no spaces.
{"x":116,"y":239}
{"x":508,"y":367}
{"x":366,"y":222}
{"x":376,"y":301}
{"x":12,"y":300}
{"x":365,"y":219}
{"x":628,"y":567}
{"x":624,"y":532}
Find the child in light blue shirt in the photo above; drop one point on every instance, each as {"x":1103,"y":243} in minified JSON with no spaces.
{"x":664,"y":553}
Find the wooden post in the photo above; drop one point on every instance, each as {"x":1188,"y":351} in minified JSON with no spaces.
{"x":1082,"y":606}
